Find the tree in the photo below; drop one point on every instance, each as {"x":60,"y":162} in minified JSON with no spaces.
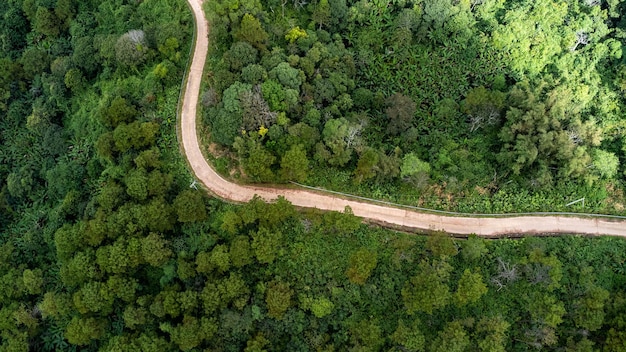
{"x":321,"y":307}
{"x":492,"y":332}
{"x":278,"y":299}
{"x":258,"y":162}
{"x":440,"y":244}
{"x":80,"y":331}
{"x":33,"y":281}
{"x":453,"y":338}
{"x":341,"y":137}
{"x":256,"y":111}
{"x":119,"y":111}
{"x":159,"y":183}
{"x":605,"y":163}
{"x":544,"y":131}
{"x":470,"y":289}
{"x":400,"y":111}
{"x":253,"y":74}
{"x":190,"y":206}
{"x":266,"y":245}
{"x":414,"y":170}
{"x":55,"y":305}
{"x":219,"y":258}
{"x":134,"y":317}
{"x":294,"y":164}
{"x":409,"y":338}
{"x":34,"y":61}
{"x":137,"y":184}
{"x":589,"y":312}
{"x":483,"y":107}
{"x":367,"y":165}
{"x":362,"y":262}
{"x":545,"y":309}
{"x":366,"y":335}
{"x":228,"y":121}
{"x":154,"y":249}
{"x":530,"y":35}
{"x":322,"y":14}
{"x":156,"y":216}
{"x":428,"y":290}
{"x":131,"y":48}
{"x":257,"y":344}
{"x":251,"y":31}
{"x":473,"y":248}
{"x":134,"y":135}
{"x":240,"y":55}
{"x":46,"y":22}
{"x":287,"y":76}
{"x":191,"y":332}
{"x":240,"y":252}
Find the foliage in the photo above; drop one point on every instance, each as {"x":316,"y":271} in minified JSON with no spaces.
{"x":473,"y":98}
{"x":105,"y":247}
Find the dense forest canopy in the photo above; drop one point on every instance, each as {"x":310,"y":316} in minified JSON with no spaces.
{"x":105,"y":247}
{"x":478,"y":106}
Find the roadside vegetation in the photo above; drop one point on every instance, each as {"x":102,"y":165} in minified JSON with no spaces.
{"x":105,"y":247}
{"x":474,"y":106}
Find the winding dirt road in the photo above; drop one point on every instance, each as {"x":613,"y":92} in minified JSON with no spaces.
{"x":388,"y":216}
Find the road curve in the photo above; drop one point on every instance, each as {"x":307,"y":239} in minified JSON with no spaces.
{"x":389,"y":216}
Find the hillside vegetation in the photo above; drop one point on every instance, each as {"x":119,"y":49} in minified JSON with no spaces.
{"x":475,"y":106}
{"x":105,"y":247}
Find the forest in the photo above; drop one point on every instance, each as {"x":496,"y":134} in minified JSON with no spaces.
{"x":104,"y":246}
{"x":477,"y":106}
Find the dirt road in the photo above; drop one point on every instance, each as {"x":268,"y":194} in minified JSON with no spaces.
{"x":380,"y":214}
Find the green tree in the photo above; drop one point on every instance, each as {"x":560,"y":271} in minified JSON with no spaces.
{"x":80,"y":331}
{"x":492,"y":331}
{"x":46,"y":22}
{"x":471,"y":288}
{"x":453,"y":338}
{"x":414,"y":170}
{"x":258,"y":162}
{"x":251,"y":31}
{"x":220,"y":258}
{"x":361,"y":264}
{"x":33,"y":281}
{"x":322,"y":14}
{"x":483,"y":107}
{"x":191,"y":332}
{"x":137,"y":184}
{"x":154,"y":249}
{"x":240,"y":252}
{"x":428,"y":290}
{"x":605,"y":163}
{"x":440,"y":244}
{"x":131,"y":48}
{"x":340,"y":136}
{"x":266,"y":245}
{"x":409,"y":338}
{"x":257,"y":344}
{"x":190,"y":206}
{"x":135,"y":317}
{"x":367,"y":165}
{"x":278,"y":298}
{"x":119,"y":111}
{"x":294,"y":164}
{"x":400,"y":112}
{"x":589,"y":312}
{"x":366,"y":335}
{"x":287,"y":76}
{"x":241,"y":55}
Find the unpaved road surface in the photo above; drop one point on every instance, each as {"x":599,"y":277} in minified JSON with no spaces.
{"x":391,"y":216}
